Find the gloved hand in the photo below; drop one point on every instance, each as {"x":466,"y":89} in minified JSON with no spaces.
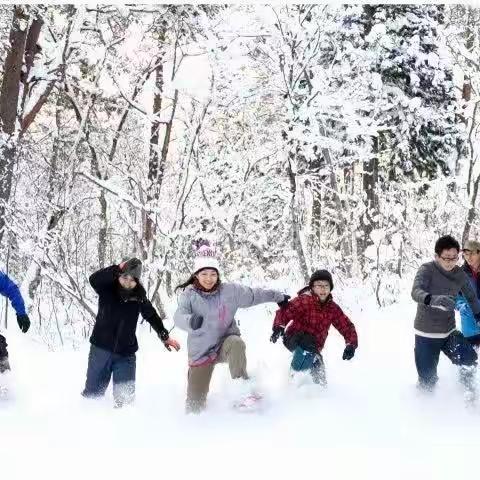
{"x":277,"y":333}
{"x":23,"y":323}
{"x":477,"y":319}
{"x":196,"y":322}
{"x":349,"y":352}
{"x":164,"y":335}
{"x":284,"y":302}
{"x":171,"y":343}
{"x":443,"y":302}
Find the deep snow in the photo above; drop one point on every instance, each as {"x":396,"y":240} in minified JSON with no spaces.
{"x":370,"y":421}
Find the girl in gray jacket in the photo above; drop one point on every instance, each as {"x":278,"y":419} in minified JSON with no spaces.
{"x":206,"y":310}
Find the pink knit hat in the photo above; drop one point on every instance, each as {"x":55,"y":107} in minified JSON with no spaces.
{"x":205,"y":256}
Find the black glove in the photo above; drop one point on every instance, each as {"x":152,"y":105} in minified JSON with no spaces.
{"x":277,"y":333}
{"x":349,"y":352}
{"x":23,"y":323}
{"x":477,"y":319}
{"x":284,"y":302}
{"x":443,"y":302}
{"x":163,"y":335}
{"x":196,"y":322}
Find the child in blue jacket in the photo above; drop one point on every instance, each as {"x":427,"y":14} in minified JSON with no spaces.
{"x":469,"y":327}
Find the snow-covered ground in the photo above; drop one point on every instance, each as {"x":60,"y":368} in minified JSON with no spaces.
{"x":369,"y":422}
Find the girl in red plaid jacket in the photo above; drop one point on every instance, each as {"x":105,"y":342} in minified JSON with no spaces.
{"x":304,"y":323}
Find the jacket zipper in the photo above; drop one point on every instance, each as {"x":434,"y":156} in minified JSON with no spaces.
{"x":119,"y":331}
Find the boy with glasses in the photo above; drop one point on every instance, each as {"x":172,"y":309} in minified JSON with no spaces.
{"x":471,"y":266}
{"x":435,"y":287}
{"x":304,"y":323}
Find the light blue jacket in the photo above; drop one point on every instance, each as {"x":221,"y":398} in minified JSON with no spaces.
{"x":468,"y":325}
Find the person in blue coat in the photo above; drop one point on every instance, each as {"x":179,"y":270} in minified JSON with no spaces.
{"x":469,"y":327}
{"x":9,"y":289}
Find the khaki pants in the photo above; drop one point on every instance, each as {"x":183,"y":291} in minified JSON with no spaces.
{"x":232,"y":352}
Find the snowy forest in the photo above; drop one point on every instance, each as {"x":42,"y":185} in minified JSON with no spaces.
{"x":294,"y":137}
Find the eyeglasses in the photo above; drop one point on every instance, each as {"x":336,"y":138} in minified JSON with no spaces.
{"x":450,"y":260}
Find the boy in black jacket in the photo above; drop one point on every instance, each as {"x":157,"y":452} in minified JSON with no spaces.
{"x":121,"y":298}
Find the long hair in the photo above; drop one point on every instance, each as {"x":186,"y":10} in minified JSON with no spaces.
{"x":193,"y":279}
{"x":184,"y":285}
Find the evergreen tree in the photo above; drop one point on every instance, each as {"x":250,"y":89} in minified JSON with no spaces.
{"x":419,"y":132}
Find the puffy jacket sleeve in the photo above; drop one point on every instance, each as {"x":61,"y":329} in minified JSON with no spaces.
{"x":470,"y":296}
{"x":104,"y":278}
{"x":296,"y":308}
{"x":466,"y":314}
{"x":345,"y":327}
{"x":183,"y":314}
{"x":12,"y":292}
{"x":149,"y":313}
{"x":248,"y":297}
{"x":421,"y":284}
{"x":460,"y":302}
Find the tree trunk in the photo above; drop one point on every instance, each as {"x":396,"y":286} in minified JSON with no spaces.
{"x":296,"y":235}
{"x":368,"y":221}
{"x":33,"y":275}
{"x":155,"y":164}
{"x":9,"y":96}
{"x":471,"y":211}
{"x":103,"y":231}
{"x":30,"y":52}
{"x":343,"y":226}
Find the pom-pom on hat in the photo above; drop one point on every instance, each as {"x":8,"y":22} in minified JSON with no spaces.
{"x":205,"y":256}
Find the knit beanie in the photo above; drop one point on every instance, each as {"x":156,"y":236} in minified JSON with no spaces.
{"x":321,"y":275}
{"x":205,"y":256}
{"x":133,"y":267}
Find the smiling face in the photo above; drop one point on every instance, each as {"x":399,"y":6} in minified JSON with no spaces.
{"x":207,"y":278}
{"x":321,"y":288}
{"x":472,"y":257}
{"x":127,"y":281}
{"x":448,"y":259}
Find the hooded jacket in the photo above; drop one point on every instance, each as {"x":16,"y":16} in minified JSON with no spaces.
{"x":118,"y":311}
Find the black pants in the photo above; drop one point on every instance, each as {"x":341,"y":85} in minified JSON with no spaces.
{"x":3,"y":347}
{"x":456,"y":347}
{"x":307,"y":342}
{"x":474,"y":341}
{"x":4,"y":364}
{"x":300,"y":339}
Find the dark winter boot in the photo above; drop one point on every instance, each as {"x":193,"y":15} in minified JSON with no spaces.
{"x":318,"y":371}
{"x":4,"y":365}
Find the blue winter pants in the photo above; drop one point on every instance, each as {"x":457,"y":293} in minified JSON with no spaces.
{"x":306,"y":355}
{"x":103,"y":365}
{"x":427,"y":353}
